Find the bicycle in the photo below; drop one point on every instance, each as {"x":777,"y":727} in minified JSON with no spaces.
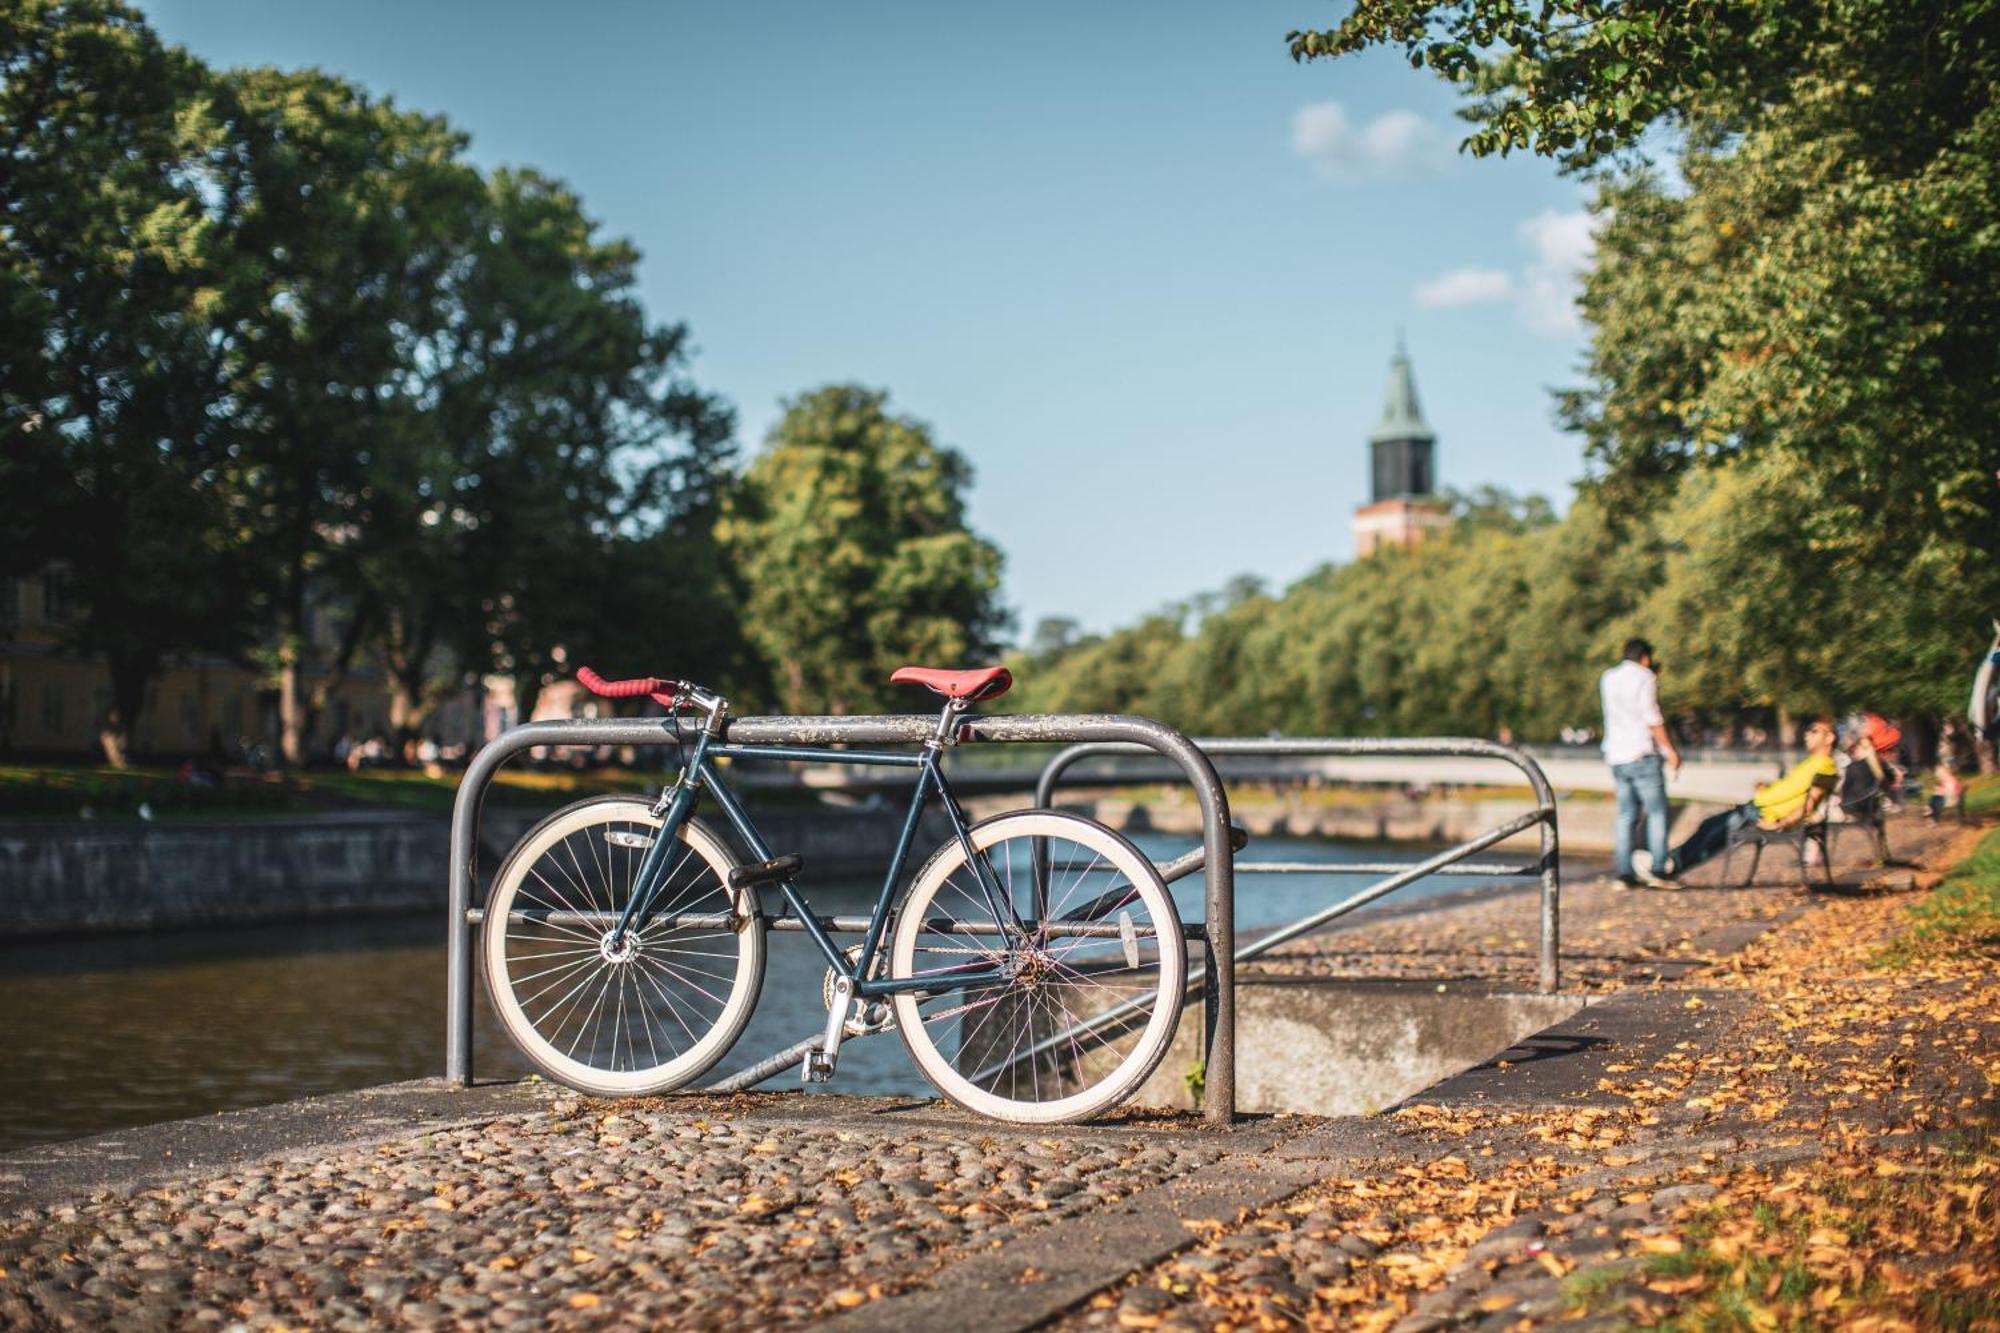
{"x":1035,"y":967}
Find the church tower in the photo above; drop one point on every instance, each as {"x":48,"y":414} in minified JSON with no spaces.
{"x":1403,"y":505}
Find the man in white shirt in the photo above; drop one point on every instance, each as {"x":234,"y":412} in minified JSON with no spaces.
{"x":1640,"y":752}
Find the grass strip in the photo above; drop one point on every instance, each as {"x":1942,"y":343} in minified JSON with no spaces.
{"x":1958,"y":918}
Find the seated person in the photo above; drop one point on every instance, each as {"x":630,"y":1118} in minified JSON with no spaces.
{"x":1791,"y":800}
{"x":1874,"y":740}
{"x":1865,"y":778}
{"x":1949,"y":793}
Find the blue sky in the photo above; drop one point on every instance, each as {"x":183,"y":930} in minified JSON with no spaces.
{"x":1137,"y":265}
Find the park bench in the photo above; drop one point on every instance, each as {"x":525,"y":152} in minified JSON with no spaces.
{"x":1859,"y":810}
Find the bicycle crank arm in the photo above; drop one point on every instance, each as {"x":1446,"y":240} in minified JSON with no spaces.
{"x":820,"y":1063}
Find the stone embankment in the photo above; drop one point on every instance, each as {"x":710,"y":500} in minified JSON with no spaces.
{"x":1752,"y":1123}
{"x":81,"y":878}
{"x":1587,"y":822}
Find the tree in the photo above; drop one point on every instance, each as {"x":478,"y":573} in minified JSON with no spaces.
{"x":114,"y":459}
{"x":1498,"y":509}
{"x":347,"y":214}
{"x":1581,"y":79}
{"x":555,"y":447}
{"x":1813,"y":304}
{"x":849,"y":532}
{"x":1054,"y":636}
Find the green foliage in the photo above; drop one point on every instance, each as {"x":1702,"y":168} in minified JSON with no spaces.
{"x":113,"y":457}
{"x":1795,"y":354}
{"x":1821,"y":281}
{"x":1579,"y":79}
{"x":273,"y":347}
{"x":1509,"y":624}
{"x":1825,"y":291}
{"x":849,"y":534}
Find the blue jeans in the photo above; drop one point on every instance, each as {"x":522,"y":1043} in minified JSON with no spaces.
{"x":1641,"y":785}
{"x":1713,"y":835}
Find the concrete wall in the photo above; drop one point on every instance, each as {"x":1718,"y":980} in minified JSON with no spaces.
{"x":66,"y":878}
{"x":1346,"y":1048}
{"x":1585,"y":825}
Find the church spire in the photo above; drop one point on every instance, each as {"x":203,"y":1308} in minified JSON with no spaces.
{"x":1402,"y":419}
{"x":1403,"y":506}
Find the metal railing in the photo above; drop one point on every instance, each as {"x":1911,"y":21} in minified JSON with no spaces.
{"x":1215,"y":857}
{"x":1450,"y":861}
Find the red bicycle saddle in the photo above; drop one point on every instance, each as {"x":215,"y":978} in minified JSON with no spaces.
{"x":984,"y":683}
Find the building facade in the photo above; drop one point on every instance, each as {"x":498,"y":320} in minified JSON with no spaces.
{"x":1403,"y":505}
{"x":53,"y":698}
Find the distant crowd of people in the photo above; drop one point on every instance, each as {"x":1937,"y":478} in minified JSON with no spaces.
{"x":379,"y":751}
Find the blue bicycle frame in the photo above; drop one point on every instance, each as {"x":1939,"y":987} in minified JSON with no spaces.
{"x":700,"y":774}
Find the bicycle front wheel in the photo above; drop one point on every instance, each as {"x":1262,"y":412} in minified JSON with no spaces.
{"x":620,"y":1018}
{"x":1064,"y":1016}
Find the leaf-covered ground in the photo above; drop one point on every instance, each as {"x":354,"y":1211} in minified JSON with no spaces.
{"x":1829,"y":1161}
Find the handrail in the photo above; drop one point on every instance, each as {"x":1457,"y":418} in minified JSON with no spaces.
{"x":1546,"y":866}
{"x":1122,"y":731}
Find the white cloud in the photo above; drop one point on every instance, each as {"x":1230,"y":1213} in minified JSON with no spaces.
{"x":1466,"y":286}
{"x":1563,"y":247}
{"x":1394,"y":143}
{"x":1543,"y":291}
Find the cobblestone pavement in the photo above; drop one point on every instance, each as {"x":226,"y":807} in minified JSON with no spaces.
{"x":1616,"y":1193}
{"x":582,"y":1215}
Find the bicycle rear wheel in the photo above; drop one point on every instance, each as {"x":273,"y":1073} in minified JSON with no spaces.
{"x":1065,"y":1019}
{"x":619,"y":1019}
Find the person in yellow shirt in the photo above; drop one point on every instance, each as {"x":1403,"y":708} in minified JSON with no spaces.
{"x":1790,"y":800}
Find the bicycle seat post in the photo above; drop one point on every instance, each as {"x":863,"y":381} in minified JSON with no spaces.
{"x":947,"y":727}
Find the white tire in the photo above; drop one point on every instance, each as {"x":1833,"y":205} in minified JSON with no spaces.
{"x":631,"y":1020}
{"x":1082,"y":1019}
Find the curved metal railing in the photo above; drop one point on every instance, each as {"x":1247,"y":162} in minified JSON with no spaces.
{"x":1450,"y":861}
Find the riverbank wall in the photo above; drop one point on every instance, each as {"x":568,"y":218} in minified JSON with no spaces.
{"x":78,"y":879}
{"x":67,"y":878}
{"x":1586,"y":825}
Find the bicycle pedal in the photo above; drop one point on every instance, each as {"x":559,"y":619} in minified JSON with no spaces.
{"x":818,"y":1067}
{"x":767,"y":872}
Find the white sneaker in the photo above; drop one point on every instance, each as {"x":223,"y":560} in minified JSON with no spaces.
{"x":1642,"y":868}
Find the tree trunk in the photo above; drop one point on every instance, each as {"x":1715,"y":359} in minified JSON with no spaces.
{"x":338,"y":670}
{"x":406,"y":662}
{"x":291,"y":702}
{"x":527,"y":693}
{"x":131,"y":671}
{"x":795,"y":686}
{"x":410,"y":706}
{"x":8,"y":696}
{"x":293,"y":642}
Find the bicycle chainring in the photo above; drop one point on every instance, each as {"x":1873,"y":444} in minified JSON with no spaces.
{"x":869,"y":1016}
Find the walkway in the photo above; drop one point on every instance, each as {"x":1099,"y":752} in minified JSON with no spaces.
{"x":1592,"y":1173}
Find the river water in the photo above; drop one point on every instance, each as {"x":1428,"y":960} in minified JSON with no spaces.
{"x":103,"y":1034}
